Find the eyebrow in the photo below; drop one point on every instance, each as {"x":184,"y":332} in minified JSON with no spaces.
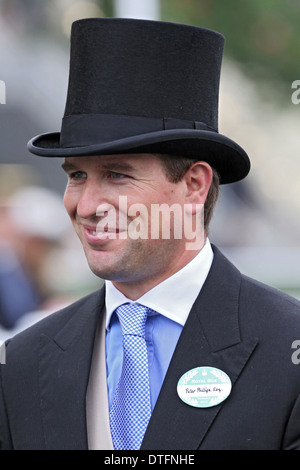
{"x":118,"y":166}
{"x":67,"y":167}
{"x":111,"y":166}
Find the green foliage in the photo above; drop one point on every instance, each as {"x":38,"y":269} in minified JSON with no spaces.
{"x":263,"y":36}
{"x":108,"y":7}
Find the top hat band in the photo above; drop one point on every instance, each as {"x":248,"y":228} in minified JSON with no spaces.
{"x":87,"y":129}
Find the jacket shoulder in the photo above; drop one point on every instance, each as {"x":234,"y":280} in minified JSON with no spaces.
{"x":261,"y":308}
{"x":253,"y":292}
{"x":269,"y":314}
{"x":260,"y":294}
{"x":27,"y":341}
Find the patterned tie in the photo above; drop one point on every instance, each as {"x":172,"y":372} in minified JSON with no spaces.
{"x":131,"y":407}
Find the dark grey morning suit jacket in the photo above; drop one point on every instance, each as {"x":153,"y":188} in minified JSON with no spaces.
{"x":238,"y":325}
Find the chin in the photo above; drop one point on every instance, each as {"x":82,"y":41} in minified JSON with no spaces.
{"x":103,"y":268}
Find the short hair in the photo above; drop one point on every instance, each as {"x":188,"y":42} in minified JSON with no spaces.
{"x":175,"y":168}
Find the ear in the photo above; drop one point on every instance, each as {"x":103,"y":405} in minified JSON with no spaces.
{"x":198,"y":179}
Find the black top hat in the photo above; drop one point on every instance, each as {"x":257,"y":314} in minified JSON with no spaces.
{"x":139,"y":86}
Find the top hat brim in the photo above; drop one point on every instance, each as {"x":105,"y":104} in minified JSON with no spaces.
{"x":223,"y":154}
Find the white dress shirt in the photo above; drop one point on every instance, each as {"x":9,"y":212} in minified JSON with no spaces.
{"x":172,"y":301}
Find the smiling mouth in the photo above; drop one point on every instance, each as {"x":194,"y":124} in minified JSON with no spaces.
{"x":93,"y":235}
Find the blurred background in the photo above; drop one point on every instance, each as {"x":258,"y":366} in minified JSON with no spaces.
{"x":257,"y":221}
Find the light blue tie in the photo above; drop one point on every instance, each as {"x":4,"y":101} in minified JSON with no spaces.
{"x":131,"y":407}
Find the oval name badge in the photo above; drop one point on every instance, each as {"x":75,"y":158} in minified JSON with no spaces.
{"x":204,"y":387}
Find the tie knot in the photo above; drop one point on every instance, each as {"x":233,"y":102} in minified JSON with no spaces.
{"x":132,"y":318}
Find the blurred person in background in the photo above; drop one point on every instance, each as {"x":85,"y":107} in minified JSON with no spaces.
{"x":32,"y":224}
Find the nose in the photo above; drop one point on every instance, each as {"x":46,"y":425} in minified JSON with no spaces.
{"x":91,"y":197}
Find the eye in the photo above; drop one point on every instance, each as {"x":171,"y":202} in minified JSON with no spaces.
{"x":77,"y":175}
{"x":115,"y":175}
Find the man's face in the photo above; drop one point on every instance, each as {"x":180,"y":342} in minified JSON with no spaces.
{"x":109,"y":200}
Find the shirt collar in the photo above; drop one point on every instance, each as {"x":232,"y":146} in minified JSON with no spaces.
{"x":174,"y":297}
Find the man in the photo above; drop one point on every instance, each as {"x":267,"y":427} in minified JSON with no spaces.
{"x":179,"y":350}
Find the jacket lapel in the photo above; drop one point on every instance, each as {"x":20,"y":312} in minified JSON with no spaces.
{"x":211,"y":337}
{"x":64,"y":363}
